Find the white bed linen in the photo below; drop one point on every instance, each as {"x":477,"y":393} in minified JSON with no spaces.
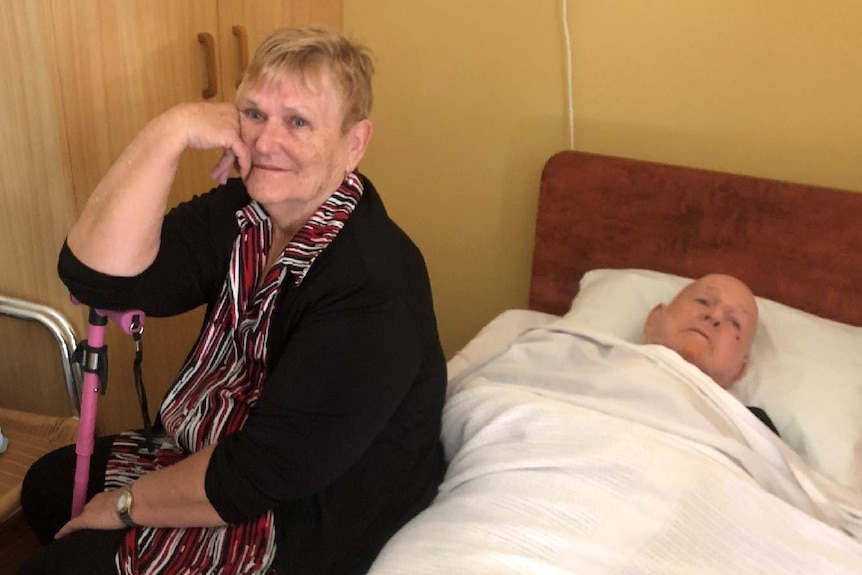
{"x":576,"y":452}
{"x":496,"y":336}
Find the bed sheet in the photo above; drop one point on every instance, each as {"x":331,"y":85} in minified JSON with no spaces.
{"x":632,"y":462}
{"x":496,"y":336}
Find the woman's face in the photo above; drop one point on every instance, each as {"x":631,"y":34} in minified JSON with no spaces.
{"x":298,"y":150}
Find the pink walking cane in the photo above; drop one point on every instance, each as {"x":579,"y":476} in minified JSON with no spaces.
{"x":92,"y":355}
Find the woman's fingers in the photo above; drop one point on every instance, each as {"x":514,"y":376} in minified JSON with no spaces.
{"x":237,"y":157}
{"x":99,"y":513}
{"x":69,"y":527}
{"x":242,"y":159}
{"x":209,"y":126}
{"x":222,"y":169}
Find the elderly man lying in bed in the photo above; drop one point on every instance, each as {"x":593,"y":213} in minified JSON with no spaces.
{"x":711,"y":323}
{"x":575,"y":451}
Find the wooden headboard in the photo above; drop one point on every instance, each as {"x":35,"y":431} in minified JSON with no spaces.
{"x":800,"y":245}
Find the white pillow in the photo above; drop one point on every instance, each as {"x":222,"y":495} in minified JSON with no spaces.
{"x":805,"y":371}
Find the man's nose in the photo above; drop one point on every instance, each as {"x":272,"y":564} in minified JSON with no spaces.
{"x":710,"y":317}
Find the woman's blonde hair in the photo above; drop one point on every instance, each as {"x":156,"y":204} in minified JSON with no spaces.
{"x":309,"y":51}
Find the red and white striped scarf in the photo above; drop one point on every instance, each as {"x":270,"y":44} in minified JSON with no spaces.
{"x":216,"y":388}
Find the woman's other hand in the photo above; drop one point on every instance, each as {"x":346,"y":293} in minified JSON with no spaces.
{"x":99,"y":513}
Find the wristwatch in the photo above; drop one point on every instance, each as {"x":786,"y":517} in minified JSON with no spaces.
{"x":124,"y":507}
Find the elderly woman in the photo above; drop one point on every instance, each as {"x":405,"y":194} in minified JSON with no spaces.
{"x":303,"y":430}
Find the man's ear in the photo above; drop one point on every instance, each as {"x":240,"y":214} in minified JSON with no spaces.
{"x":651,"y":325}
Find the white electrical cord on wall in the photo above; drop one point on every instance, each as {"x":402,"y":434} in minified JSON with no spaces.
{"x":569,"y":103}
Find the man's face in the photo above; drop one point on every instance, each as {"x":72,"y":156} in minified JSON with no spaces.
{"x":711,"y":323}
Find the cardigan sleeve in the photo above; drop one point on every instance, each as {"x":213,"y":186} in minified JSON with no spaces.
{"x":191,"y":264}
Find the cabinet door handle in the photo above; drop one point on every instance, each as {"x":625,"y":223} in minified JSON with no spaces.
{"x":242,"y":38}
{"x":211,"y":89}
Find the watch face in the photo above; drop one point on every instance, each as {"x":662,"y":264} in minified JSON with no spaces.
{"x":124,"y":502}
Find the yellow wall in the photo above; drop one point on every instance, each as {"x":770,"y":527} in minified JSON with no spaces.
{"x":770,"y":88}
{"x":471,"y":100}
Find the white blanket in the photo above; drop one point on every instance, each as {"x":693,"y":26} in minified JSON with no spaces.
{"x":574,"y":452}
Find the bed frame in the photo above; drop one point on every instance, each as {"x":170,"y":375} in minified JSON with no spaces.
{"x":800,"y":245}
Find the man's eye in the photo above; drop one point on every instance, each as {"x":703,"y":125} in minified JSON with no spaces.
{"x":298,"y":122}
{"x":702,"y":301}
{"x":252,"y":114}
{"x":736,"y":324}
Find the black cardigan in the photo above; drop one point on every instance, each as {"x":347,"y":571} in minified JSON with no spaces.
{"x":344,"y":441}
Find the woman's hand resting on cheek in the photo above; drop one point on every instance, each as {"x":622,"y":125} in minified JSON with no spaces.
{"x":209,"y":126}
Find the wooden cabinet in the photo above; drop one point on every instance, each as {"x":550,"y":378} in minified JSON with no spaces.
{"x":35,"y":173}
{"x":245,"y":23}
{"x":36,"y":205}
{"x":90,"y":74}
{"x":122,"y":62}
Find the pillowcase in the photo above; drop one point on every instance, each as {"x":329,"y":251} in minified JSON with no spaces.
{"x":805,"y":371}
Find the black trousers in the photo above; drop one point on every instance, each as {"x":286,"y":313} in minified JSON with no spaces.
{"x":46,"y":499}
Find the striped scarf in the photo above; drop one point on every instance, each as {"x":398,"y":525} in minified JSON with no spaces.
{"x":214,"y":391}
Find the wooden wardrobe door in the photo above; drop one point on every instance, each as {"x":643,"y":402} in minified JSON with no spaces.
{"x":36,"y":205}
{"x":121,"y":63}
{"x":36,"y":200}
{"x":251,"y":21}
